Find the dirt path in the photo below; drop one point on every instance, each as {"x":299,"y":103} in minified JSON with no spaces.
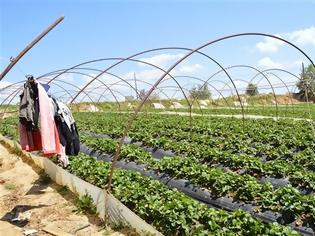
{"x":31,"y":201}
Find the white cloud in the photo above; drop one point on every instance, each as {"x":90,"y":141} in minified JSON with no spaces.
{"x":190,"y":68}
{"x":269,"y":45}
{"x":161,"y":60}
{"x":300,"y":37}
{"x":267,"y":62}
{"x":67,"y":77}
{"x":150,"y":76}
{"x":4,"y":84}
{"x":6,"y":92}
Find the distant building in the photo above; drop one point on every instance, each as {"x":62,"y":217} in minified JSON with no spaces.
{"x":92,"y":108}
{"x":176,"y":105}
{"x":129,"y":98}
{"x":158,"y":105}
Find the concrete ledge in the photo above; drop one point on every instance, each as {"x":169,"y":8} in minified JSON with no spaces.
{"x":118,"y":213}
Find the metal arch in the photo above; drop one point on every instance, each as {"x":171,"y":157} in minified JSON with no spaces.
{"x":224,"y":84}
{"x":13,"y":84}
{"x":172,"y":86}
{"x":125,"y":80}
{"x":76,"y":72}
{"x":15,"y":92}
{"x":278,"y":69}
{"x":73,"y":85}
{"x":290,"y":95}
{"x":52,"y":73}
{"x":128,"y":59}
{"x":258,"y":72}
{"x":65,"y":71}
{"x":92,"y":69}
{"x":75,"y":91}
{"x":142,"y":81}
{"x":117,"y":82}
{"x":281,"y":70}
{"x":160,"y":88}
{"x":10,"y":101}
{"x":278,"y":77}
{"x":103,"y":94}
{"x":196,"y":78}
{"x":241,"y":80}
{"x":121,"y":60}
{"x":151,"y":50}
{"x":296,"y":88}
{"x":134,"y":60}
{"x":288,"y":72}
{"x":70,"y":95}
{"x":117,"y":153}
{"x":23,"y":81}
{"x":257,"y":34}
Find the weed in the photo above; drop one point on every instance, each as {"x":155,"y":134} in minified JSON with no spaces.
{"x":85,"y":204}
{"x":10,"y":186}
{"x":44,"y":178}
{"x":63,"y":190}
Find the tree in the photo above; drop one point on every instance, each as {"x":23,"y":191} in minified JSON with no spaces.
{"x":142,"y":93}
{"x":306,"y":85}
{"x":200,"y":92}
{"x":251,"y":89}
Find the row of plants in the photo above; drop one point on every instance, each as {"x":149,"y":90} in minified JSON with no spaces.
{"x":255,"y":135}
{"x":289,"y":110}
{"x":170,"y":211}
{"x":286,"y":140}
{"x":264,"y":148}
{"x":286,"y":199}
{"x":8,"y":127}
{"x":292,"y":166}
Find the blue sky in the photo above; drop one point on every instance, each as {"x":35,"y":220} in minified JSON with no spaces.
{"x":99,"y":29}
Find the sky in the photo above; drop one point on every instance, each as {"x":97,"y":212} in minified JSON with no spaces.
{"x":94,"y":29}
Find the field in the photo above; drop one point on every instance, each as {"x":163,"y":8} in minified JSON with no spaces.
{"x":205,"y":175}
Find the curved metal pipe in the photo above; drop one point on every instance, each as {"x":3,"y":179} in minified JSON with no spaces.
{"x":117,"y":153}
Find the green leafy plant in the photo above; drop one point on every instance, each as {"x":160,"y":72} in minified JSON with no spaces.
{"x":85,"y":204}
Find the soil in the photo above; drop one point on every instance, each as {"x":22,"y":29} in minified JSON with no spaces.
{"x":28,"y":200}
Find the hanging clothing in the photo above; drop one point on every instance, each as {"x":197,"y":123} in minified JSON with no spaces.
{"x":67,"y":129}
{"x":35,"y":108}
{"x":46,"y":127}
{"x":49,"y":133}
{"x":30,"y":140}
{"x":29,"y":106}
{"x":66,"y":113}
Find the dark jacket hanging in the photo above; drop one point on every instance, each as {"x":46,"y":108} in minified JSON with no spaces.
{"x":29,"y":106}
{"x":69,"y":136}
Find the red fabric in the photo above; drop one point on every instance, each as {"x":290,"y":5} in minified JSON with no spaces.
{"x":30,"y":140}
{"x":48,"y":130}
{"x":47,"y":139}
{"x":57,"y":144}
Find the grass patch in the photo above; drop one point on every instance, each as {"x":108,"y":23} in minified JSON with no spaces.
{"x":62,"y":190}
{"x":10,"y":186}
{"x":84,"y":204}
{"x":44,"y":178}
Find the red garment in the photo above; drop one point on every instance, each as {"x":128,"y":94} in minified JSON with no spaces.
{"x":30,"y":140}
{"x":57,"y":144}
{"x":46,"y":139}
{"x":48,"y":130}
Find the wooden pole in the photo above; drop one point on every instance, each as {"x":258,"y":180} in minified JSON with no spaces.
{"x":29,"y":46}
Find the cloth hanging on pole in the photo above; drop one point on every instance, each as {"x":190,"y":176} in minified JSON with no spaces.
{"x":46,"y":125}
{"x":48,"y":129}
